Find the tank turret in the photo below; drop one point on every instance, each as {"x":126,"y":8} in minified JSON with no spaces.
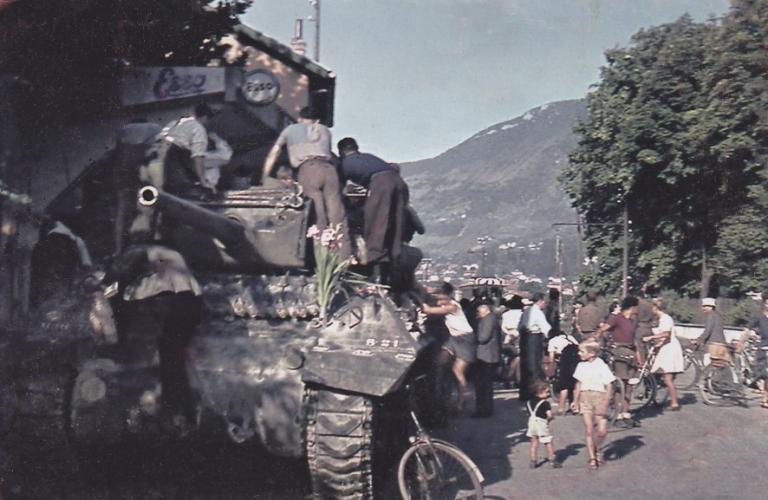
{"x":246,"y":230}
{"x":230,"y":231}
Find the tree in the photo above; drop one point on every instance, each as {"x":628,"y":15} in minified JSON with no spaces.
{"x":87,"y":46}
{"x":738,"y":97}
{"x":660,"y":144}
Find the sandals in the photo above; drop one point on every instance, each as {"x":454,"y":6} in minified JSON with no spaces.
{"x":599,"y":458}
{"x":592,"y":464}
{"x":763,"y":405}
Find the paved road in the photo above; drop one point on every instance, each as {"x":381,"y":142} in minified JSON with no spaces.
{"x":698,"y":453}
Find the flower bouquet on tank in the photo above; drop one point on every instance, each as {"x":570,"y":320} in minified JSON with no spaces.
{"x":330,"y":271}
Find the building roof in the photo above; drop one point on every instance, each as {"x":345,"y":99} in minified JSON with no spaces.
{"x":284,"y":53}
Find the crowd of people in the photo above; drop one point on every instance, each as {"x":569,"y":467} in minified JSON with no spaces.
{"x":575,"y":369}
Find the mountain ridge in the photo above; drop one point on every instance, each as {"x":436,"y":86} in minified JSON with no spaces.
{"x":500,"y":186}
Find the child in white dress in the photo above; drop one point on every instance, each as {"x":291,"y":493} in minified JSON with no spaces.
{"x":669,"y":359}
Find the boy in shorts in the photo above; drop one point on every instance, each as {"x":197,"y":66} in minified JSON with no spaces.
{"x":591,"y":397}
{"x":539,"y":415}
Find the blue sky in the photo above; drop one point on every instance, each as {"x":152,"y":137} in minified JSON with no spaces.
{"x":417,"y":77}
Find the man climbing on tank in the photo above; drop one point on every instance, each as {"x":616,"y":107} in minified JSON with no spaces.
{"x":176,"y":164}
{"x":384,"y":208}
{"x":185,"y":160}
{"x":309,"y":152}
{"x":157,"y":311}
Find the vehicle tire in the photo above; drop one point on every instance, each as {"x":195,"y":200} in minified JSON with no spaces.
{"x":717,"y":387}
{"x":642,"y":394}
{"x":339,"y":437}
{"x":688,"y":380}
{"x":439,"y":471}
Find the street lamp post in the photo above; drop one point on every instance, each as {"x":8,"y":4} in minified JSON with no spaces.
{"x":316,"y":18}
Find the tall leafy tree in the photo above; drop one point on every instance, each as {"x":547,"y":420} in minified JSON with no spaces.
{"x":738,"y":97}
{"x":660,"y":147}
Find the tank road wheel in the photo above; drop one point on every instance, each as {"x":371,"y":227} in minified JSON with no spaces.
{"x":338,"y":440}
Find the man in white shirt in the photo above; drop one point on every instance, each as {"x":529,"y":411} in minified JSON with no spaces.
{"x":533,"y":330}
{"x":309,"y":151}
{"x":185,"y":160}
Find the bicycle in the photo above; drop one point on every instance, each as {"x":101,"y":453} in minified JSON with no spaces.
{"x":692,"y":367}
{"x":614,"y":408}
{"x":644,"y":386}
{"x":725,"y":382}
{"x":433,"y":469}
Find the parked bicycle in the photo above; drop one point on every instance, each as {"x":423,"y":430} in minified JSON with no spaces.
{"x":644,"y":387}
{"x":614,"y":407}
{"x":693,"y":365}
{"x":433,"y":469}
{"x":727,"y":382}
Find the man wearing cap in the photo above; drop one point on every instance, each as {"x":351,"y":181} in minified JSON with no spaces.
{"x":488,"y":357}
{"x":385,"y":205}
{"x":713,"y":335}
{"x":309,"y":151}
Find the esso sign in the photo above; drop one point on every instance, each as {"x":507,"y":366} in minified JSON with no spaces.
{"x":260,"y":87}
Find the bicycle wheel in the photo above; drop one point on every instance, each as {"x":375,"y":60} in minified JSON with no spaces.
{"x":688,"y":380}
{"x":438,"y":471}
{"x":642,"y":394}
{"x":717,"y":386}
{"x":662,"y":392}
{"x":614,"y":408}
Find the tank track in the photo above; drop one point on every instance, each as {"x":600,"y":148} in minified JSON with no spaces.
{"x":339,"y":437}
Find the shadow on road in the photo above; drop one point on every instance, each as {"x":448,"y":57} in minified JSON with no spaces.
{"x":618,"y":449}
{"x":571,"y":450}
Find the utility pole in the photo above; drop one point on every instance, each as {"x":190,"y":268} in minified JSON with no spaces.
{"x":625,"y":256}
{"x":625,"y":251}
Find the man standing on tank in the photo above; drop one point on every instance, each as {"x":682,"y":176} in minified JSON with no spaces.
{"x":384,"y":209}
{"x":158,"y":309}
{"x":309,"y":152}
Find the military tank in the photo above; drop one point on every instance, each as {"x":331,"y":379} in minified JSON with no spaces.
{"x":261,"y":364}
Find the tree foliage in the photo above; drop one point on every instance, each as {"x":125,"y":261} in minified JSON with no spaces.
{"x":676,"y":137}
{"x":87,"y":46}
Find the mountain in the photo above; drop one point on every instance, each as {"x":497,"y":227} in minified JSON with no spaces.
{"x":493,"y":198}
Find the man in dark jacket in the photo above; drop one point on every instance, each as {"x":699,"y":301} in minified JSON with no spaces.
{"x":384,"y":210}
{"x":488,"y":357}
{"x":714,"y":332}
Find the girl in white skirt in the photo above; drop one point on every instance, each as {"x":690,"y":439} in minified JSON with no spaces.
{"x":669,"y":359}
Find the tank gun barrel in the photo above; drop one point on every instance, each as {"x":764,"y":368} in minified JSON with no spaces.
{"x":227,"y":230}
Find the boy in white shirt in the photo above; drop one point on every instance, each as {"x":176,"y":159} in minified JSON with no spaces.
{"x":594,"y":389}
